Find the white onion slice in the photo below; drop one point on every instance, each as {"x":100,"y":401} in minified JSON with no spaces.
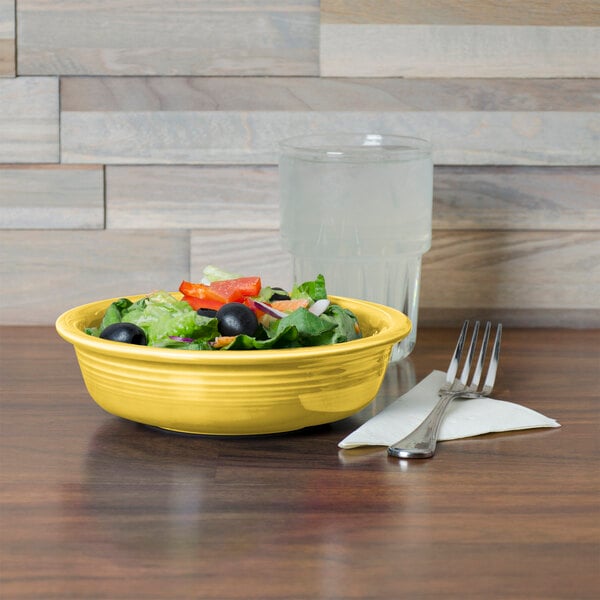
{"x":319,"y":307}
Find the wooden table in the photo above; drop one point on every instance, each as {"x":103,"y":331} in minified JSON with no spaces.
{"x":97,"y":507}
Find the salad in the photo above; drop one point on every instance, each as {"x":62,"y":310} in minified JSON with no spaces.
{"x":229,"y":312}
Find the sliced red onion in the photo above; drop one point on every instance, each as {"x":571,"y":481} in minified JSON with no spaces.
{"x":269,"y":310}
{"x":177,"y":338}
{"x":319,"y":307}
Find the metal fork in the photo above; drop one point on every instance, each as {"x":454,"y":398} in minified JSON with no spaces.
{"x":421,"y":442}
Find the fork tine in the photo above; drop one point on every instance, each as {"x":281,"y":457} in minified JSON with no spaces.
{"x":492,"y":369}
{"x":453,"y":367}
{"x":467,"y":366}
{"x":481,"y":359}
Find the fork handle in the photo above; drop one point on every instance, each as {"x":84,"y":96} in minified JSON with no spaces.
{"x":421,"y":442}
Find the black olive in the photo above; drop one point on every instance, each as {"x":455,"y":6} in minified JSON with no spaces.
{"x":279,"y":294}
{"x":207,"y":312}
{"x":236,"y":318}
{"x":125,"y":332}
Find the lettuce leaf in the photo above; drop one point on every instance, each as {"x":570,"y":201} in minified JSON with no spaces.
{"x":211,"y":273}
{"x":161,"y":316}
{"x":112,"y":315}
{"x":345,"y":323}
{"x":310,"y":290}
{"x":312,"y":330}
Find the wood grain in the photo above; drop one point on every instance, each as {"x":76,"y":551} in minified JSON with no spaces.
{"x":244,"y":252}
{"x":517,"y":198}
{"x":7,"y":38}
{"x":298,"y":94}
{"x":7,"y":58}
{"x":43,"y":273}
{"x":94,"y":506}
{"x":192,"y":197}
{"x":247,"y":197}
{"x":459,"y":51}
{"x":144,"y":37}
{"x":522,"y":271}
{"x":51,"y":197}
{"x":477,"y":138}
{"x":186,"y":121}
{"x":29,"y":117}
{"x":490,"y":273}
{"x":526,"y":278}
{"x":585,"y":13}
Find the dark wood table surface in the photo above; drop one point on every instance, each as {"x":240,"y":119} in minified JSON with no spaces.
{"x":93,"y":506}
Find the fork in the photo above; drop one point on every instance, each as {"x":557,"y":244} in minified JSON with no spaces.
{"x":421,"y":442}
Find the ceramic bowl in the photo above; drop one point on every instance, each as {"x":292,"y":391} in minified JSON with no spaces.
{"x":241,"y":392}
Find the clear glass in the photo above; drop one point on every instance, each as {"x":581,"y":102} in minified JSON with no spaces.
{"x":357,"y":208}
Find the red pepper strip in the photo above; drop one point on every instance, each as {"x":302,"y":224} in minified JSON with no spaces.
{"x":234,"y":290}
{"x":197,"y":303}
{"x":230,"y":290}
{"x":196,"y":290}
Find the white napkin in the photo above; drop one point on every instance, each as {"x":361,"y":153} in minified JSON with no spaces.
{"x":463,"y":418}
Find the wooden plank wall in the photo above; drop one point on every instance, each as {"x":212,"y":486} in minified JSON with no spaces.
{"x":7,"y":38}
{"x":138,"y":142}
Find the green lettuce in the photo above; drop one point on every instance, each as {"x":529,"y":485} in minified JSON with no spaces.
{"x":161,"y":317}
{"x":301,"y":328}
{"x":211,"y":273}
{"x":310,"y":290}
{"x":171,"y":323}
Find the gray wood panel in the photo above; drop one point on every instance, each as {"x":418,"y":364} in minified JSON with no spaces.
{"x":7,"y":38}
{"x":191,"y":197}
{"x":524,"y":271}
{"x":181,"y":37}
{"x":170,"y":142}
{"x":44,"y":273}
{"x":524,"y":277}
{"x":298,"y":94}
{"x":458,"y":12}
{"x":511,"y":317}
{"x":449,"y":38}
{"x":518,"y":198}
{"x":527,"y":277}
{"x":459,"y":51}
{"x":51,"y":197}
{"x":468,"y":138}
{"x":247,"y":197}
{"x":29,"y":131}
{"x":239,"y":121}
{"x":250,"y":252}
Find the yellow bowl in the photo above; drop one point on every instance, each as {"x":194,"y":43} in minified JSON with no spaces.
{"x":239,"y":392}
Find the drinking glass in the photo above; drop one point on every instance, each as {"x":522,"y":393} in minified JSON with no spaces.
{"x":357,"y":208}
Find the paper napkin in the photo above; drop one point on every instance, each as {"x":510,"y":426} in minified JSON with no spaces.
{"x":463,"y":418}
